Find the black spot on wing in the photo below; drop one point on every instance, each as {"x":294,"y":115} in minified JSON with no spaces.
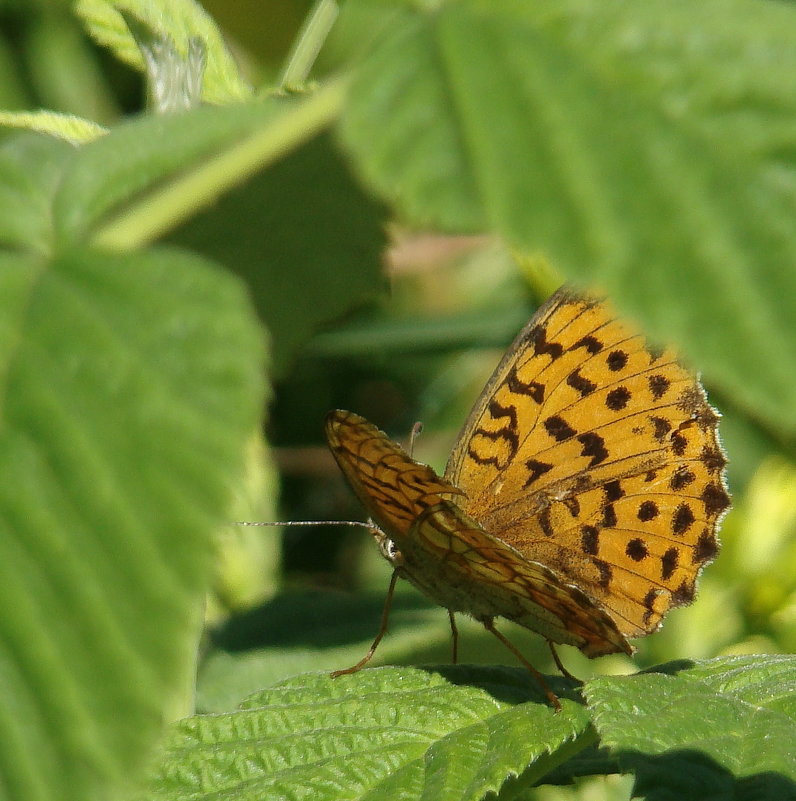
{"x":669,"y":563}
{"x":594,"y":447}
{"x":617,"y":399}
{"x":541,"y":346}
{"x":682,"y":519}
{"x":535,"y":470}
{"x":580,"y":384}
{"x":558,"y":428}
{"x":659,"y":385}
{"x":636,"y":549}
{"x":516,"y":385}
{"x":715,"y":499}
{"x":647,"y":510}
{"x":591,"y":343}
{"x":616,"y":360}
{"x":706,"y":548}
{"x":660,"y":428}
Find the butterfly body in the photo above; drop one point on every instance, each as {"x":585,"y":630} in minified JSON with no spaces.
{"x":583,"y":494}
{"x":449,"y":557}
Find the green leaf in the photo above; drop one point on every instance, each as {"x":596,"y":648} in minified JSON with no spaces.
{"x":147,"y":176}
{"x":645,"y":147}
{"x":453,"y":733}
{"x":66,"y":126}
{"x":726,"y":724}
{"x":131,"y":385}
{"x":31,"y":169}
{"x":62,"y":71}
{"x":312,"y":248}
{"x":177,"y":21}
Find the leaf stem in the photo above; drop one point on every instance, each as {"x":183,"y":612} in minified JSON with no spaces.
{"x":308,"y":44}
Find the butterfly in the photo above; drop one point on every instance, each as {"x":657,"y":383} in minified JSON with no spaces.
{"x":581,"y":499}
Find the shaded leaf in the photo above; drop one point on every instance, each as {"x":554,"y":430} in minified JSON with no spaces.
{"x":721,"y":724}
{"x":310,"y":248}
{"x":643,"y":147}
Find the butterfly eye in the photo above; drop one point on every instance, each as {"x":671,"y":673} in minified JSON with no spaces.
{"x":390,"y":552}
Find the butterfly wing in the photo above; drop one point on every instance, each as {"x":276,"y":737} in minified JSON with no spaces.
{"x":597,"y":456}
{"x":461,"y":566}
{"x":394,"y":488}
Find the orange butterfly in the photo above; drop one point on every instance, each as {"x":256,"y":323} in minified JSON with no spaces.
{"x":581,"y":499}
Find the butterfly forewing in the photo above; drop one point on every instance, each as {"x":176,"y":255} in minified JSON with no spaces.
{"x":597,"y":456}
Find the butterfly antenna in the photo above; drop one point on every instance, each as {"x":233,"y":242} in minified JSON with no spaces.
{"x":358,"y":523}
{"x":489,"y":625}
{"x":385,"y":615}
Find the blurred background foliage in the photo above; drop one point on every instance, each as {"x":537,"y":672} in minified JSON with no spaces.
{"x":415,"y":323}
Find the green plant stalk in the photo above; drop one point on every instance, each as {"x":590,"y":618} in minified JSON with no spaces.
{"x":152,"y":215}
{"x":308,"y":44}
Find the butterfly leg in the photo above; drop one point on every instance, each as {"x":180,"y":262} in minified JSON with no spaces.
{"x":560,"y":664}
{"x":454,"y":637}
{"x":489,"y":625}
{"x":417,"y":429}
{"x":382,"y":631}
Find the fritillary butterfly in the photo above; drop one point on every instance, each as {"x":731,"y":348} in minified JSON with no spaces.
{"x":583,"y":494}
